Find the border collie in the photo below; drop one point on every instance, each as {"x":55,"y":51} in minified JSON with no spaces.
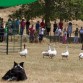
{"x":16,"y":73}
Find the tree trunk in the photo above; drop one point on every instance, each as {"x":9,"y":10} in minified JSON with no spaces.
{"x":47,"y":11}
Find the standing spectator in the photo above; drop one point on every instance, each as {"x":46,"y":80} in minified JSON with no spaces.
{"x":69,"y":29}
{"x":17,"y":23}
{"x":61,"y":24}
{"x":81,"y":35}
{"x":31,"y":34}
{"x":22,"y":26}
{"x":64,"y":38}
{"x":6,"y":31}
{"x":54,"y":27}
{"x":13,"y":26}
{"x":37,"y":31}
{"x":41,"y":34}
{"x":10,"y":26}
{"x":1,"y":33}
{"x":27,"y":27}
{"x":0,"y":21}
{"x":37,"y":26}
{"x":58,"y":34}
{"x":42,"y":24}
{"x":48,"y":27}
{"x":76,"y":32}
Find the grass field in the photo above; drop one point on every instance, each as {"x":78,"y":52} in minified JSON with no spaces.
{"x":46,"y":70}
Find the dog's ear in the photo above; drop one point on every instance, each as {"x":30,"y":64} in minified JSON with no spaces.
{"x":21,"y":64}
{"x":15,"y":64}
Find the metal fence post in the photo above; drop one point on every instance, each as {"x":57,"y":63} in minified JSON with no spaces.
{"x":7,"y":41}
{"x":20,"y":42}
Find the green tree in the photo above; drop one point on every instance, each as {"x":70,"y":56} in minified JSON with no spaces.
{"x":51,"y":9}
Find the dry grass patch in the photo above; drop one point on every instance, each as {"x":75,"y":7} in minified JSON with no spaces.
{"x":46,"y":70}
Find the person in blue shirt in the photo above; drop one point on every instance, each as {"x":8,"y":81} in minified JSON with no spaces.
{"x":37,"y":26}
{"x":17,"y":25}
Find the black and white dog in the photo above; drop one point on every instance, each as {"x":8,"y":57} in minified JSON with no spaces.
{"x":16,"y":73}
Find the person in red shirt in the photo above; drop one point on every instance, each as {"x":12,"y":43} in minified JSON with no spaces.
{"x":22,"y":26}
{"x":61,"y":25}
{"x":31,"y":33}
{"x":42,"y":24}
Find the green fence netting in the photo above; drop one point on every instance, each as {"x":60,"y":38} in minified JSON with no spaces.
{"x":10,"y":3}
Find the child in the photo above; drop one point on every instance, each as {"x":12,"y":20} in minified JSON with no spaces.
{"x":41,"y":34}
{"x":64,"y":38}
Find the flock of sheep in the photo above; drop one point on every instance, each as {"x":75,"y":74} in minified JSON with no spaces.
{"x":50,"y":53}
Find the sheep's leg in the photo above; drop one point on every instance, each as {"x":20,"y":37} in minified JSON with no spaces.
{"x":79,"y":57}
{"x":43,"y":56}
{"x":67,"y":57}
{"x":62,"y":57}
{"x":21,"y":55}
{"x":51,"y":56}
{"x":25,"y":56}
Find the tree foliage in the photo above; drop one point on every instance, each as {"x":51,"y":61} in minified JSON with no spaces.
{"x":51,"y":9}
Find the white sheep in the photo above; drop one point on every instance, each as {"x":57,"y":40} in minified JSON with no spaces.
{"x":65,"y":54}
{"x":80,"y":56}
{"x":24,"y":52}
{"x":46,"y":53}
{"x":52,"y":53}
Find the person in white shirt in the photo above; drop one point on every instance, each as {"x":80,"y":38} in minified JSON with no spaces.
{"x":41,"y":34}
{"x":58,"y":34}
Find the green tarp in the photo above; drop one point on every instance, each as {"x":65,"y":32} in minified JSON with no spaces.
{"x":10,"y":3}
